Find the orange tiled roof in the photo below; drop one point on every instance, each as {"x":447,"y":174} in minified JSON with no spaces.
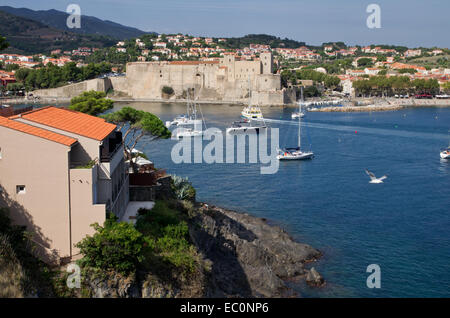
{"x":38,"y":132}
{"x":71,"y":121}
{"x":192,"y":62}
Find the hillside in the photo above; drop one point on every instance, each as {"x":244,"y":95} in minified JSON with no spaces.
{"x":89,"y":25}
{"x":26,"y":36}
{"x":263,"y":39}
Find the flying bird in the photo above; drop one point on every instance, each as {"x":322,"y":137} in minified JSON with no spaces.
{"x":374,"y":179}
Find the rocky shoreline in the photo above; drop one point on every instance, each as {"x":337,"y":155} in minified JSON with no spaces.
{"x":242,"y":256}
{"x":375,"y":104}
{"x":250,"y":257}
{"x":385,"y":105}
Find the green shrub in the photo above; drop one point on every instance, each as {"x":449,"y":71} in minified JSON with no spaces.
{"x":169,"y":236}
{"x":116,"y":246}
{"x":183,"y":189}
{"x":167,"y":90}
{"x":89,"y":165}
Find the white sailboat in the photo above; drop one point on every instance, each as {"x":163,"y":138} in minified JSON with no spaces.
{"x":445,"y":153}
{"x":188,"y":118}
{"x":295,"y":153}
{"x":190,"y":125}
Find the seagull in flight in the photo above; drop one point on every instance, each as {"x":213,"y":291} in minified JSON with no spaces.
{"x":374,"y":179}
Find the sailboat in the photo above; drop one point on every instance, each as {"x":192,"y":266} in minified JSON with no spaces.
{"x":251,"y":111}
{"x":296,"y":153}
{"x":185,"y":119}
{"x":190,"y":125}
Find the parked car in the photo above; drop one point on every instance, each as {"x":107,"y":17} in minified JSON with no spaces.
{"x":424,"y":96}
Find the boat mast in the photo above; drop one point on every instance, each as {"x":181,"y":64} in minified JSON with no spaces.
{"x":249,"y":92}
{"x":300,"y":116}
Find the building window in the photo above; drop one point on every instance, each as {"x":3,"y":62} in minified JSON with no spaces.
{"x":20,"y":189}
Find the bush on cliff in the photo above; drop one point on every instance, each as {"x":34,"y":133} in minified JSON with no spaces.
{"x":168,"y":233}
{"x":183,"y":189}
{"x":115,"y":246}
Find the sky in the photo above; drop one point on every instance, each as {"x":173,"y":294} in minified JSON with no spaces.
{"x":413,"y":23}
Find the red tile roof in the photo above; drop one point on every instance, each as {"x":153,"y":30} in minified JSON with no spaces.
{"x":38,"y":132}
{"x":71,"y":121}
{"x":192,"y":62}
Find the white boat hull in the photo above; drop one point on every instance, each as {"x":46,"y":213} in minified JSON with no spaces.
{"x":244,"y":130}
{"x":189,"y":133}
{"x":297,"y":115}
{"x":445,"y":155}
{"x":296,"y":156}
{"x":252,"y":116}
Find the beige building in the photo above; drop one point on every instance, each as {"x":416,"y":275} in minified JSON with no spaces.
{"x":60,"y":172}
{"x":225,"y":79}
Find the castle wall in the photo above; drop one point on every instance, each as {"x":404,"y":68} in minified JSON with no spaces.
{"x":223,"y":80}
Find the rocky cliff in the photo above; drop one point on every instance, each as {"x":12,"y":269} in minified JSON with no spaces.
{"x":242,"y":256}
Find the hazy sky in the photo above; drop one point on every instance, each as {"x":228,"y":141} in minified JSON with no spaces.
{"x":403,"y":22}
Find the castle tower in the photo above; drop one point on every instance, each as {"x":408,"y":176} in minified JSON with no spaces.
{"x":267,"y":62}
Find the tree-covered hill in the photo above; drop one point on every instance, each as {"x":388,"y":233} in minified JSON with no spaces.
{"x":89,"y":25}
{"x":26,"y":36}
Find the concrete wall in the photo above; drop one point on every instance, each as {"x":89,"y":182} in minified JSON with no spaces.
{"x":72,"y":90}
{"x":87,"y":150}
{"x":42,"y":167}
{"x":84,"y":208}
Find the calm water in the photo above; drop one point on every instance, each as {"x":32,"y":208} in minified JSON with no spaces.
{"x":402,"y":225}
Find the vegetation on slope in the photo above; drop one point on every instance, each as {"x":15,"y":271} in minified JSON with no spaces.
{"x":90,"y":25}
{"x":52,"y":76}
{"x":30,"y":37}
{"x":21,"y":273}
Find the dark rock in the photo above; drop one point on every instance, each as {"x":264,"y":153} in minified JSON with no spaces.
{"x":113,"y":285}
{"x":313,"y":278}
{"x":249,"y":257}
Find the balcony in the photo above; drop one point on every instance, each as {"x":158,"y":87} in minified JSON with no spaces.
{"x":111,"y":146}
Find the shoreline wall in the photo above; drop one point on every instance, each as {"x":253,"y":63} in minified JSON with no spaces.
{"x":72,"y":90}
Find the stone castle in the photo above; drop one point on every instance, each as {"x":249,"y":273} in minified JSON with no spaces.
{"x":226,"y":79}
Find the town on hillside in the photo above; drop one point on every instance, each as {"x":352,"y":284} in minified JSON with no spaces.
{"x":330,"y":68}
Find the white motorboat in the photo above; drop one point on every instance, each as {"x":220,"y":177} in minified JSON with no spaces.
{"x":296,"y":115}
{"x":445,"y":154}
{"x":295,"y":153}
{"x":244,"y":127}
{"x":251,"y":111}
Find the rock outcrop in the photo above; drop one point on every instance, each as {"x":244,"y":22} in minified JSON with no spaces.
{"x":243,"y":256}
{"x":249,"y":257}
{"x":314,"y":278}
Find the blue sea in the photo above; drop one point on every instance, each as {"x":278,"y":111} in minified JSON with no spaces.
{"x":402,"y":225}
